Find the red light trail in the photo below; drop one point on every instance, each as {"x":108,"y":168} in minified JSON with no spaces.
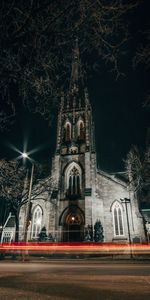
{"x":76,"y":248}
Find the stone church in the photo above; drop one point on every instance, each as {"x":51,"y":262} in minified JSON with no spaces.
{"x":83,"y":194}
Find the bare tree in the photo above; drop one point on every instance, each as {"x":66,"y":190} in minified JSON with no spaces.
{"x":14,"y":188}
{"x":37,"y":37}
{"x":143,"y":51}
{"x":138,"y":170}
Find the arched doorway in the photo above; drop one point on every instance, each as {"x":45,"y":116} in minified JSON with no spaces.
{"x":73,"y":224}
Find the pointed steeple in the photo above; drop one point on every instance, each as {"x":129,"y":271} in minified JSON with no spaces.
{"x":75,"y":98}
{"x":75,"y":68}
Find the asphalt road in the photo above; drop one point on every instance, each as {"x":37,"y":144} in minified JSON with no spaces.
{"x":74,"y":280}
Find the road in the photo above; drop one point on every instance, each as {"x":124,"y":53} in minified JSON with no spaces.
{"x":74,"y":280}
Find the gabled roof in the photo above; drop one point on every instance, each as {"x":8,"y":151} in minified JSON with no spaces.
{"x":118,"y":177}
{"x":10,"y":222}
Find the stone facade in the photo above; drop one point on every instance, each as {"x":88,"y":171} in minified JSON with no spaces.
{"x":82,"y":194}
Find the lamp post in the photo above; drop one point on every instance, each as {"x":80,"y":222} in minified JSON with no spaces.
{"x":24,"y":155}
{"x":126,"y":201}
{"x":147,"y":225}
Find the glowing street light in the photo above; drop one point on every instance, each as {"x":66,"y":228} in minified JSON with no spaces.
{"x":25,"y":155}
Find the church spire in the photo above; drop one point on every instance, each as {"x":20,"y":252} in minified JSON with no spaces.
{"x":75,"y":93}
{"x":75,"y":68}
{"x":75,"y":98}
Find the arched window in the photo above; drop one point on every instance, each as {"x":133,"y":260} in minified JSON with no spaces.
{"x":117,"y":219}
{"x":67,"y":132}
{"x":36,"y":222}
{"x":81,"y":130}
{"x":73,"y":180}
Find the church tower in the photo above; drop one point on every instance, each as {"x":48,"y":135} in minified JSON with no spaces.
{"x":74,"y":163}
{"x":83,"y":196}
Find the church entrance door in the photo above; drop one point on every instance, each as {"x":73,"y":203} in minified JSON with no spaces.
{"x":73,"y":228}
{"x":72,"y":233}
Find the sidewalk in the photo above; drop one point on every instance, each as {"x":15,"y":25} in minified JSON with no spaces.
{"x":74,"y":257}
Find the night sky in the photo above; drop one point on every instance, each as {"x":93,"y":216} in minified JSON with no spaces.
{"x":120,"y":118}
{"x":120,"y":121}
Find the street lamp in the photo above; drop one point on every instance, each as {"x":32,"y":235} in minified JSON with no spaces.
{"x":25,"y":155}
{"x":147,"y":225}
{"x":126,"y":201}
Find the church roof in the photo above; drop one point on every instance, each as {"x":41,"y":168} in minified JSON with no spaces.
{"x":118,"y":177}
{"x":10,"y":222}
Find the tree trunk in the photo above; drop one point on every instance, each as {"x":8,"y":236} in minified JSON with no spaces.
{"x":17,"y":227}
